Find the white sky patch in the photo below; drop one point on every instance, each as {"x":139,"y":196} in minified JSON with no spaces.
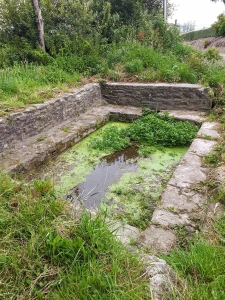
{"x":203,"y":12}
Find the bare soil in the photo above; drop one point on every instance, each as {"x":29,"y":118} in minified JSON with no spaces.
{"x":207,"y":43}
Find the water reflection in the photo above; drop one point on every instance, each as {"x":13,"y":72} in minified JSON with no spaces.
{"x":106,"y":172}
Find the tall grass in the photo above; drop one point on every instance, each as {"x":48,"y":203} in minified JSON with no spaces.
{"x":24,"y":84}
{"x":47,"y":254}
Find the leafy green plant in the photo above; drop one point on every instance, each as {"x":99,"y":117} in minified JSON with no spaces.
{"x":154,"y":129}
{"x":112,"y":139}
{"x":150,"y":130}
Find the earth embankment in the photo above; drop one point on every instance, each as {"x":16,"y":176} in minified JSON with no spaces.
{"x":207,"y":43}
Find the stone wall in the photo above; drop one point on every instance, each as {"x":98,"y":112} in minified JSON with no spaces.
{"x":19,"y":126}
{"x":158,"y":96}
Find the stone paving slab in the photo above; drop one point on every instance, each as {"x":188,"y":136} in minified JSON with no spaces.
{"x":190,"y":116}
{"x":178,"y":201}
{"x":181,"y":204}
{"x":185,"y":176}
{"x":158,"y":239}
{"x":209,"y":129}
{"x":202,"y":147}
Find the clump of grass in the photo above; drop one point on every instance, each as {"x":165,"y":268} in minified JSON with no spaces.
{"x":45,"y":254}
{"x":202,"y":265}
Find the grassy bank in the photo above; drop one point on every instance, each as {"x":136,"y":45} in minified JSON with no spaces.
{"x":45,"y":253}
{"x":25,"y":84}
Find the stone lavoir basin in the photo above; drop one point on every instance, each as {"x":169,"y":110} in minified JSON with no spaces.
{"x":126,"y":184}
{"x":156,"y":195}
{"x":32,"y":138}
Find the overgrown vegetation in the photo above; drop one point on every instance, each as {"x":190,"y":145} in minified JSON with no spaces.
{"x":202,"y":265}
{"x":93,"y":38}
{"x":219,"y":25}
{"x":47,"y":253}
{"x":151,"y":130}
{"x":199,"y":34}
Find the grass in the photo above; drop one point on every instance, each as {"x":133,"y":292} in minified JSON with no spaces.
{"x":202,"y":266}
{"x":24,"y":84}
{"x":47,"y":253}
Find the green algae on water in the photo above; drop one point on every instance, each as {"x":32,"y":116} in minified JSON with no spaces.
{"x":134,"y":197}
{"x":72,"y":166}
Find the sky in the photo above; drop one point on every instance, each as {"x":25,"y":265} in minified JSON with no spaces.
{"x":203,"y":12}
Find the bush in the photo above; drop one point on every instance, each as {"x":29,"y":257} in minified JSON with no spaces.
{"x":218,"y":26}
{"x":222,"y":29}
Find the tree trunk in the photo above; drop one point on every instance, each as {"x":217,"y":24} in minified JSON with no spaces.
{"x":40,"y":23}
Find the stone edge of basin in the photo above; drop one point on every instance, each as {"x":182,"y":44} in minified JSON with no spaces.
{"x":16,"y":127}
{"x":159,"y":96}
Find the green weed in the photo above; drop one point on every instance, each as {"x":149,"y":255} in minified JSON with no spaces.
{"x":45,"y":254}
{"x":150,"y":130}
{"x":111,"y":139}
{"x":202,"y":265}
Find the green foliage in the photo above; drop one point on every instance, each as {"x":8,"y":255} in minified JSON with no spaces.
{"x":212,"y":54}
{"x":219,"y":25}
{"x":134,"y":66}
{"x":202,"y":267}
{"x":199,"y":34}
{"x":60,"y":257}
{"x":164,"y":36}
{"x":150,"y":130}
{"x":154,"y":129}
{"x":112,"y":139}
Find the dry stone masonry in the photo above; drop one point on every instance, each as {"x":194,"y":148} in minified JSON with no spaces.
{"x":39,"y":118}
{"x":158,"y":96}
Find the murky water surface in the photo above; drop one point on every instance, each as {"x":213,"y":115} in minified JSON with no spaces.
{"x":92,"y":191}
{"x":129,"y":185}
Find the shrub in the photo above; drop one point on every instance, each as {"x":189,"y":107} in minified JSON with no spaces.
{"x":218,"y":25}
{"x":135,"y":66}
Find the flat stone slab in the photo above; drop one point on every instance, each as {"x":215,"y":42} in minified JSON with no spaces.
{"x":186,"y":176}
{"x":177,"y":201}
{"x":202,"y":147}
{"x":190,"y":116}
{"x":158,"y":239}
{"x":210,"y":130}
{"x":191,"y":159}
{"x":169,"y":219}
